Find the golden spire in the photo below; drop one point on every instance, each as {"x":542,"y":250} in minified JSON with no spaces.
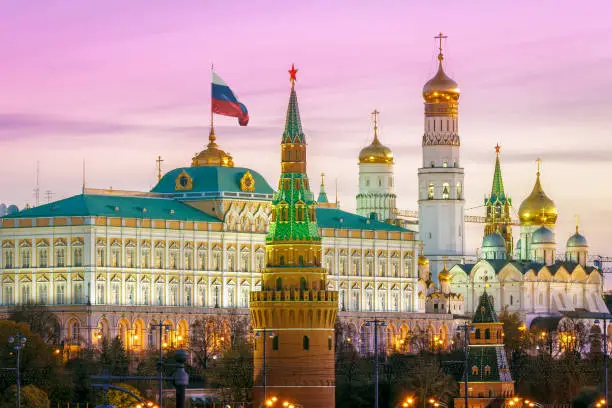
{"x":576,"y":219}
{"x":322,"y":179}
{"x":440,"y":54}
{"x":375,"y":117}
{"x":539,"y":163}
{"x":159,"y":170}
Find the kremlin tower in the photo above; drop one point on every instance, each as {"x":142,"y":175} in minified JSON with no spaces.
{"x":376,"y":196}
{"x":293,"y":316}
{"x":441,"y":193}
{"x":498,"y":221}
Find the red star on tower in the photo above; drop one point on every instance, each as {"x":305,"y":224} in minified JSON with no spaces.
{"x":292,"y":73}
{"x":497,"y":148}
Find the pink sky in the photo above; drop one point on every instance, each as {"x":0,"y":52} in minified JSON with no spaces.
{"x":118,"y":82}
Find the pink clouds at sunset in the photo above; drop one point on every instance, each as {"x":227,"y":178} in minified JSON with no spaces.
{"x":118,"y":82}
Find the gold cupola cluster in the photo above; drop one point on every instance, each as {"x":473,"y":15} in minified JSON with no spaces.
{"x":441,"y":93}
{"x":376,"y":152}
{"x":212,"y":155}
{"x":538,"y":208}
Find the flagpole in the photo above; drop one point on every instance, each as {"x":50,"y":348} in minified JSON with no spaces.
{"x":212,"y":69}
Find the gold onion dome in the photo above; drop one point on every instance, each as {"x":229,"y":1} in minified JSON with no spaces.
{"x":423,"y":260}
{"x":537,"y":208}
{"x":376,"y":152}
{"x":444,"y":275}
{"x":440,"y":88}
{"x":212,"y":155}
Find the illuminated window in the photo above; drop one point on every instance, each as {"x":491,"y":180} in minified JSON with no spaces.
{"x":445,"y":163}
{"x":305,"y":343}
{"x":430,"y":191}
{"x":474,"y":370}
{"x":445,"y":191}
{"x":487,"y":370}
{"x":458,"y":191}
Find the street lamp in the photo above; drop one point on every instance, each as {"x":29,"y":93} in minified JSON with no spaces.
{"x":466,"y":329}
{"x":604,"y":401}
{"x":265,"y":333}
{"x":408,"y":403}
{"x":18,"y":342}
{"x":376,"y":322}
{"x":161,"y":327}
{"x":437,"y":404}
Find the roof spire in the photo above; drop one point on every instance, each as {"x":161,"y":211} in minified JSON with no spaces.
{"x":576,"y":219}
{"x":497,"y":190}
{"x":539,"y":162}
{"x":322,"y":194}
{"x":375,"y":117}
{"x":293,"y":125}
{"x":440,"y":54}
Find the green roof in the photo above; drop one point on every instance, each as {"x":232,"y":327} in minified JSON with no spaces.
{"x":497,"y":189}
{"x":485,"y":313}
{"x":293,"y":125}
{"x":211,"y":179}
{"x":482,"y":357}
{"x":84,"y":205}
{"x":336,"y":218}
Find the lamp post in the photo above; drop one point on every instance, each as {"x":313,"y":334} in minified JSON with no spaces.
{"x":376,"y":322}
{"x":605,"y":360}
{"x":161,"y":327}
{"x":437,"y":404}
{"x":265,"y":333}
{"x":18,"y":342}
{"x":467,"y":329}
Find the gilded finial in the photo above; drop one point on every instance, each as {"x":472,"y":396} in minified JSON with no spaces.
{"x":375,"y":116}
{"x":576,"y":219}
{"x":322,"y":179}
{"x":539,"y":162}
{"x":159,"y":169}
{"x":292,"y":75}
{"x":444,"y":262}
{"x":440,"y":54}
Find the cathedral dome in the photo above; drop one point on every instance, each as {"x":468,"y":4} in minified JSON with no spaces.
{"x":577,"y":240}
{"x":423,"y":260}
{"x":440,"y":88}
{"x":494,"y":240}
{"x":537,"y":208}
{"x":444,"y":275}
{"x":376,"y":152}
{"x":212,"y":155}
{"x":543,"y":236}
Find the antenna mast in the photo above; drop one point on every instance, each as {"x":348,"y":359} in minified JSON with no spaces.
{"x":37,"y":188}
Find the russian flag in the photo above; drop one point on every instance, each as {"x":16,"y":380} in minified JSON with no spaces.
{"x":225,"y":103}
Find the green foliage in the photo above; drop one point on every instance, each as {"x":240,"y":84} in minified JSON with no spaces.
{"x":113,"y":358}
{"x":31,"y":397}
{"x":234,"y":373}
{"x":38,"y":363}
{"x":121,"y":399}
{"x":40,"y":320}
{"x":514,"y":330}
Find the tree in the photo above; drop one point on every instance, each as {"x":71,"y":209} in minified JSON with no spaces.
{"x":38,"y":363}
{"x":234,"y":372}
{"x":31,"y":397}
{"x":208,"y":339}
{"x":514,"y":331}
{"x":113,"y":357}
{"x":426,"y":378}
{"x":121,"y":399}
{"x":40,"y":319}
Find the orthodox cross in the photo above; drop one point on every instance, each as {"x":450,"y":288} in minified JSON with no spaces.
{"x":576,"y":219}
{"x":322,"y":179}
{"x":159,"y":172}
{"x":440,"y":37}
{"x":292,"y":74}
{"x":539,"y":162}
{"x":375,"y":116}
{"x":486,"y":281}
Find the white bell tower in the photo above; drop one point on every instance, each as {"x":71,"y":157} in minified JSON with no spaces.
{"x":441,"y":188}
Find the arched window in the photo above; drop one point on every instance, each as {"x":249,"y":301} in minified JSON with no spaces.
{"x":302,"y":284}
{"x":279,"y":284}
{"x":329,"y":343}
{"x":305,"y":343}
{"x":445,"y":191}
{"x":474,"y":370}
{"x":275,"y":342}
{"x":487,"y":334}
{"x":430,"y":191}
{"x":487,"y":370}
{"x":477,"y":334}
{"x":445,"y":163}
{"x":458,"y":191}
